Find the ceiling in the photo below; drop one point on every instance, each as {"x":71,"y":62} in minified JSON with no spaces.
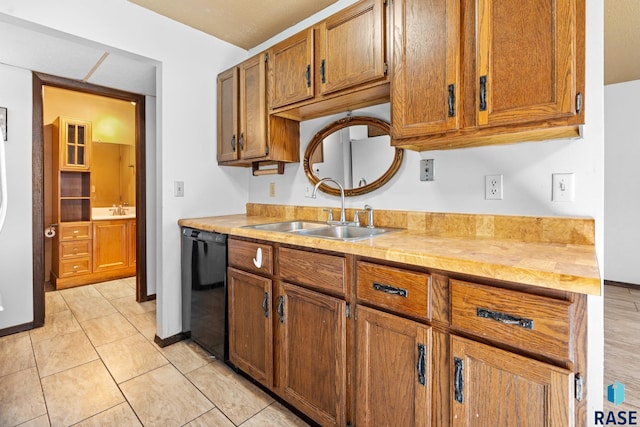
{"x":245,"y":23}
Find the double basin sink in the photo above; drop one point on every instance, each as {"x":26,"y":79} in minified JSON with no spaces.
{"x":322,"y":230}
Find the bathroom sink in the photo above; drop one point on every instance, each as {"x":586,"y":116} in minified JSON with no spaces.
{"x":345,"y":232}
{"x":287,"y":226}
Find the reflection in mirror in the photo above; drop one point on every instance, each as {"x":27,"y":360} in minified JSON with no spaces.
{"x":356,"y":151}
{"x":113,"y":174}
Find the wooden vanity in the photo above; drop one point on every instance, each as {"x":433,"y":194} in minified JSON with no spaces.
{"x":404,"y":329}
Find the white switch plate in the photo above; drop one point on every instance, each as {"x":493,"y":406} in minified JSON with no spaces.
{"x":272,"y":189}
{"x":178,"y":188}
{"x":493,"y":187}
{"x":308,"y":190}
{"x":426,"y":170}
{"x":563,"y":187}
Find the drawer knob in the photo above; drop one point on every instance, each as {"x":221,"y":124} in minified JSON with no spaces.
{"x":75,"y":267}
{"x":75,"y":231}
{"x":507,"y":319}
{"x":390,"y":289}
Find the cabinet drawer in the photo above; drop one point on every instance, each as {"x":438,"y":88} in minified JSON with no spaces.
{"x":75,"y":231}
{"x":74,"y":249}
{"x":251,"y":256}
{"x":320,"y":271}
{"x":75,"y":266}
{"x":401,"y":291}
{"x":529,"y":322}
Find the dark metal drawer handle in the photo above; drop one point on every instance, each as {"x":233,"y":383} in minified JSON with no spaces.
{"x":422,"y":364}
{"x":280,"y":308}
{"x":507,"y":319}
{"x":483,"y":93}
{"x":390,"y":289}
{"x":458,"y":381}
{"x":265,"y":304}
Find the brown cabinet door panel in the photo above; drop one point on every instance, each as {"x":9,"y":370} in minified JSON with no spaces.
{"x":110,"y":245}
{"x":252,"y":141}
{"x":250,"y":326}
{"x":352,"y":47}
{"x":425,"y":79}
{"x":393,"y":384}
{"x":291,"y":69}
{"x":493,"y":387}
{"x":527,"y":58}
{"x":228,"y":115}
{"x":312,"y":353}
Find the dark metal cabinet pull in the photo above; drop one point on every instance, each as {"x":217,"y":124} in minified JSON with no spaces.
{"x":452,"y":100}
{"x":307,"y":75}
{"x":483,"y":93}
{"x":390,"y":289}
{"x":241,"y":141}
{"x":323,"y":76}
{"x":265,"y":304}
{"x":233,"y":142}
{"x":458,"y":381}
{"x":281,"y":308}
{"x":422,"y":364}
{"x":507,"y":319}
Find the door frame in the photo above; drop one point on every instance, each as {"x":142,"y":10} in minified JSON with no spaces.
{"x":37,"y":155}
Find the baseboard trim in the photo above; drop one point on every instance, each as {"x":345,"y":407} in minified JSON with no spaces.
{"x":621,"y":284}
{"x":15,"y":329}
{"x":163,"y":342}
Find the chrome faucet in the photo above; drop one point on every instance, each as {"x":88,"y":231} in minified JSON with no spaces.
{"x":343,"y":220}
{"x":369,"y":210}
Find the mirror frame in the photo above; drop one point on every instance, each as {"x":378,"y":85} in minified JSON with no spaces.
{"x":319,"y":137}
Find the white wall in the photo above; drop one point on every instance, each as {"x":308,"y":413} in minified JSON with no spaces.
{"x":459,"y":180}
{"x":16,"y":273}
{"x":184,"y":149}
{"x":622,"y":182}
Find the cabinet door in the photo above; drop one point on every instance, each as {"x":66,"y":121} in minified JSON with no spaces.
{"x":425,"y":80}
{"x":352,"y":46}
{"x":311,"y":361}
{"x":132,"y":235}
{"x":110,"y":245}
{"x":291,"y":70}
{"x":252,"y":140}
{"x":526,"y":60}
{"x":228,"y":115}
{"x":393,"y":370}
{"x":496,"y":388}
{"x":250,"y":327}
{"x":75,"y":144}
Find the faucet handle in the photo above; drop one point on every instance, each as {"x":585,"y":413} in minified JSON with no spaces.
{"x":330,"y":216}
{"x":369,"y":210}
{"x":356,"y":218}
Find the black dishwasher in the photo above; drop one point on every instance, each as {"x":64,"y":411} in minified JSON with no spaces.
{"x":204,"y":290}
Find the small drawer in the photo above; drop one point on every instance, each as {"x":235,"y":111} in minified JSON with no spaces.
{"x":74,"y":249}
{"x":320,"y":271}
{"x":529,"y":322}
{"x":402,"y":291}
{"x":250,"y":256}
{"x":75,"y":231}
{"x":75,"y":266}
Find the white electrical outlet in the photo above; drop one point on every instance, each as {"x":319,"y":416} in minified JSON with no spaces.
{"x":272,"y":189}
{"x":563,"y":187}
{"x":493,"y":187}
{"x":308,"y":190}
{"x":178,"y":188}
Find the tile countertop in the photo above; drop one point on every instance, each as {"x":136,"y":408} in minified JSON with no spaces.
{"x":568,"y":267}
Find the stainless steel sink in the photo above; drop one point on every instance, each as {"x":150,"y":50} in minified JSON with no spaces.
{"x":322,"y":230}
{"x":287,"y":226}
{"x":345,"y":232}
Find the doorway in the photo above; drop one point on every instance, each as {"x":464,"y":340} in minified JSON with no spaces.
{"x":38,"y":177}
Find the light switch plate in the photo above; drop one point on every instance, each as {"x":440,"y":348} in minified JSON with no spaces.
{"x":426,"y":170}
{"x":178,"y":188}
{"x":563,"y":187}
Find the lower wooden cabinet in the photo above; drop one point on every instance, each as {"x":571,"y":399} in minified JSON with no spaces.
{"x":311,"y":348}
{"x":110,"y":245}
{"x":492,"y":387}
{"x":393,"y":370}
{"x":250,"y":325}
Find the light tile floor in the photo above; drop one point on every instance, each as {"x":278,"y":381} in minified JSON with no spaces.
{"x":94,"y":363}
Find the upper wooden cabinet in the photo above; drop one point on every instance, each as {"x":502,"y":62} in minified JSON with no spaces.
{"x":352,"y":46}
{"x":426,"y":73}
{"x":291,"y":70}
{"x":336,"y":65}
{"x":246,"y":133}
{"x":478,"y":72}
{"x":72,"y":138}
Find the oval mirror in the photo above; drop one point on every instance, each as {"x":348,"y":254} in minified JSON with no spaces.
{"x":355,"y":151}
